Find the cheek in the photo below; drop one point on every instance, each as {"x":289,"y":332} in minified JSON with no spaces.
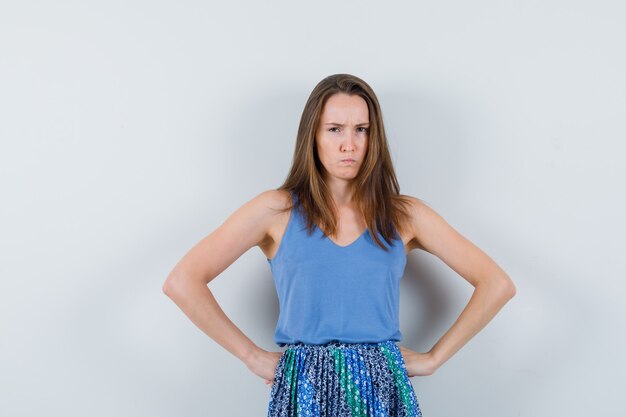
{"x":322,"y":147}
{"x":321,"y":155}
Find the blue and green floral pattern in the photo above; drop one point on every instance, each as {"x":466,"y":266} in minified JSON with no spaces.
{"x":340,"y":379}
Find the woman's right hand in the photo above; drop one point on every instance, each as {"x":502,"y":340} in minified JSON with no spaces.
{"x":264,"y":364}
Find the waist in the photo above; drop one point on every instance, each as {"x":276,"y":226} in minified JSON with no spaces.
{"x":337,"y":344}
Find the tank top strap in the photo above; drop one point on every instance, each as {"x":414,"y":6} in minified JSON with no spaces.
{"x":287,"y":239}
{"x":294,"y":198}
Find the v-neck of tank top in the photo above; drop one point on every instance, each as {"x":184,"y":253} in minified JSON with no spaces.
{"x":334,"y":244}
{"x":349,"y":244}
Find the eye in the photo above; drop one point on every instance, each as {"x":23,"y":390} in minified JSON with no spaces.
{"x":365,"y":129}
{"x":331,"y":129}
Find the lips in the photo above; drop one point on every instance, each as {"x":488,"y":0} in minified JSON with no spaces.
{"x":347,"y":160}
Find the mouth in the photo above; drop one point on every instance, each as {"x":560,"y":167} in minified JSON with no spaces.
{"x":348,"y":160}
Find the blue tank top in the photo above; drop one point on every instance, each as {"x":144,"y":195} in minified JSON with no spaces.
{"x":328,"y":292}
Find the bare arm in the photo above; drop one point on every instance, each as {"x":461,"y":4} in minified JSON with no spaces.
{"x":187,"y":283}
{"x":493,"y":287}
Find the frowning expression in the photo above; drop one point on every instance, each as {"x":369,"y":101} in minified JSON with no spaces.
{"x":342,"y":135}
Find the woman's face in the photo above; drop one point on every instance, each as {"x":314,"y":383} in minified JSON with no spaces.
{"x":342,"y":135}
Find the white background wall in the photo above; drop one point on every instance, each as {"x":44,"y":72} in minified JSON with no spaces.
{"x":131,"y":129}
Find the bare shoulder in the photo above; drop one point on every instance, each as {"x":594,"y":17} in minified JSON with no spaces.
{"x":277,"y":203}
{"x":275,"y":199}
{"x":420,"y":210}
{"x":252,"y":224}
{"x":272,"y":206}
{"x":423,"y":223}
{"x":266,"y":203}
{"x":267,"y":208}
{"x":434,"y":234}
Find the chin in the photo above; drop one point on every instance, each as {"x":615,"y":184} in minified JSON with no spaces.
{"x":347,"y":177}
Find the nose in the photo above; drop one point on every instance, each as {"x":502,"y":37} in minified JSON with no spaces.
{"x":348,"y":142}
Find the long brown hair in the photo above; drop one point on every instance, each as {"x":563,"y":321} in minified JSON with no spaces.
{"x":375,"y":188}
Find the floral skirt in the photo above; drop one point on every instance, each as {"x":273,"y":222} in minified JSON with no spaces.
{"x":338,"y":379}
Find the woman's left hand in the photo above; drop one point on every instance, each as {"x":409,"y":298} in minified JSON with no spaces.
{"x":417,"y":364}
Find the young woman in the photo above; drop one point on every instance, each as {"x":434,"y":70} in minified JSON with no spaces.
{"x":336,"y":235}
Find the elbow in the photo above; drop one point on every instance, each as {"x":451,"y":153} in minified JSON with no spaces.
{"x":167,"y":287}
{"x":501,"y":288}
{"x":510,"y":292}
{"x":508,"y":289}
{"x":171,"y":284}
{"x":178,"y":284}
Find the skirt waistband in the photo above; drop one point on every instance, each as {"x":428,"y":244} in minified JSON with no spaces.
{"x":339,"y":344}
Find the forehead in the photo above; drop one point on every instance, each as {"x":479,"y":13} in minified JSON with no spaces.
{"x":342,"y":107}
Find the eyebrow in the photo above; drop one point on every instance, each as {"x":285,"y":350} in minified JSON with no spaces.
{"x":339,"y":124}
